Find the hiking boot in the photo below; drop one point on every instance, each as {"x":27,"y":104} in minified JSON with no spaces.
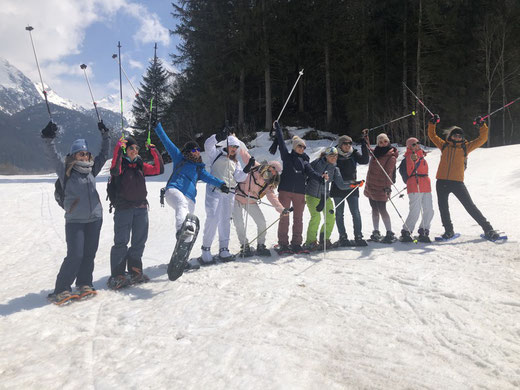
{"x":343,"y":241}
{"x":312,"y":246}
{"x":376,"y":236}
{"x":328,"y":244}
{"x":225,"y":256}
{"x":492,"y":235}
{"x":261,"y":250}
{"x":358,"y":240}
{"x":298,"y":249}
{"x":423,"y":236}
{"x":448,"y":234}
{"x":405,"y":236}
{"x":137,"y":276}
{"x":86,"y":291}
{"x":389,"y":238}
{"x":62,"y":298}
{"x":246,"y":251}
{"x":118,"y":281}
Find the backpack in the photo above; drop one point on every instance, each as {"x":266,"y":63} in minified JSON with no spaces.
{"x":59,"y":192}
{"x":112,"y":189}
{"x":403,"y":171}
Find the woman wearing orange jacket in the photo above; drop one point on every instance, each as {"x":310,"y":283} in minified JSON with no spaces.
{"x":450,"y":174}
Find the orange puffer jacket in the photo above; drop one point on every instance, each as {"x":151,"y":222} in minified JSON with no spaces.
{"x":419,"y":182}
{"x":451,"y":166}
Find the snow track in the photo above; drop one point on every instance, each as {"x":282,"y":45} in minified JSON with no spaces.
{"x":401,"y":316}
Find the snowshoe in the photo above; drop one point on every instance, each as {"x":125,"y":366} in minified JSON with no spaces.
{"x":312,"y":246}
{"x":224,"y":255}
{"x":283,"y":250}
{"x":261,"y":250}
{"x":328,"y":244}
{"x":204,"y":263}
{"x":448,"y":236}
{"x":246,"y":251}
{"x":298,"y":249}
{"x":191,"y":266}
{"x":376,"y":236}
{"x":186,"y":238}
{"x":86,"y":292}
{"x":405,"y":236}
{"x":493,"y":235}
{"x":343,"y":242}
{"x":390,"y":238}
{"x":62,"y":298}
{"x":118,"y":282}
{"x":137,"y":276}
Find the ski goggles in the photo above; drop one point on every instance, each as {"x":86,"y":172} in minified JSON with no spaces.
{"x":194,"y":150}
{"x":83,"y":154}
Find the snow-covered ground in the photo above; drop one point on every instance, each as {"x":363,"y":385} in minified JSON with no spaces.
{"x":401,"y":316}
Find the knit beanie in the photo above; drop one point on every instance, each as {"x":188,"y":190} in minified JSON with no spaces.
{"x":382,"y":136}
{"x":130,"y":141}
{"x":343,"y":139}
{"x":411,"y":141}
{"x":453,"y":130}
{"x":78,"y":146}
{"x":296,"y":141}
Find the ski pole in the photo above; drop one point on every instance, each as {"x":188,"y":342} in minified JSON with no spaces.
{"x":324,"y":218}
{"x":393,"y":120}
{"x":419,"y":100}
{"x":300,"y":74}
{"x":247,"y":214}
{"x":148,"y":140}
{"x":121,"y":69}
{"x":401,"y":195}
{"x":267,"y":228}
{"x":84,"y":67}
{"x":121,"y":92}
{"x":354,"y":188}
{"x":404,"y":223}
{"x":497,"y":110}
{"x":30,"y":28}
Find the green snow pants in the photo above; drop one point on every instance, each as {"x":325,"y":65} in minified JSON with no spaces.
{"x":314,"y":223}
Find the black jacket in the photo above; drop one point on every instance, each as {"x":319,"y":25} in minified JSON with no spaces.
{"x":347,"y":167}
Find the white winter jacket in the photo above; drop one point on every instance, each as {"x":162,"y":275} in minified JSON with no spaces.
{"x":231,"y":172}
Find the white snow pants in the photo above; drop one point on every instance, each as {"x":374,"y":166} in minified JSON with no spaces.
{"x":256,"y":214}
{"x":417,"y":202}
{"x":219,"y":207}
{"x":181,"y":204}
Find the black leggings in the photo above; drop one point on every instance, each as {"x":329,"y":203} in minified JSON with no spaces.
{"x":444,"y":189}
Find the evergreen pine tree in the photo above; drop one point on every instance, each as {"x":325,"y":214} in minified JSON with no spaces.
{"x":156,"y":85}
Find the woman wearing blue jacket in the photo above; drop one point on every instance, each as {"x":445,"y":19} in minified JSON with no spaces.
{"x":188,"y":168}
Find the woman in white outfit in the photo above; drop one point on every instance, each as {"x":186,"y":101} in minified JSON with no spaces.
{"x":219,"y":206}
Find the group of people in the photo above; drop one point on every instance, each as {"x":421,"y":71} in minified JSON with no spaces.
{"x":235,"y":186}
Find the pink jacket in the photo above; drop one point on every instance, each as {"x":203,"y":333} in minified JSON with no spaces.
{"x":254,"y":187}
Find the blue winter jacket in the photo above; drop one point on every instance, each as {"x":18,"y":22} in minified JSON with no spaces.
{"x":186,"y":173}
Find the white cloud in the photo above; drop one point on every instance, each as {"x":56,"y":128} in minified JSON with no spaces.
{"x":135,"y":64}
{"x":151,"y":29}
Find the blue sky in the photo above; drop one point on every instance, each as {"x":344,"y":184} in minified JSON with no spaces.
{"x":69,"y":33}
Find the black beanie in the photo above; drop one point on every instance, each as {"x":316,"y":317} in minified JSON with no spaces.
{"x":130,"y":141}
{"x":189,"y":146}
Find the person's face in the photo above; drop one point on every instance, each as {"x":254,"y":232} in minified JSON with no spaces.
{"x":415,"y":146}
{"x":233,"y":150}
{"x":300,"y":149}
{"x":383,"y":142}
{"x":195,"y":152}
{"x":82,"y":156}
{"x":456,"y":137}
{"x":132,"y":151}
{"x":332,"y":159}
{"x":346,"y":146}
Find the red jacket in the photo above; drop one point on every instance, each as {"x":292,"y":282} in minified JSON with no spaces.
{"x":420,"y":181}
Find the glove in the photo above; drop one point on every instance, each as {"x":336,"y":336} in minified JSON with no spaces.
{"x":149,"y":146}
{"x":286,"y":211}
{"x":479,"y":121}
{"x":276,"y":126}
{"x":387,"y":191}
{"x":249,"y":165}
{"x":274,"y":146}
{"x":224,"y":188}
{"x":222,"y":135}
{"x":50,"y":130}
{"x":102,"y":128}
{"x":435,"y":119}
{"x":321,"y":205}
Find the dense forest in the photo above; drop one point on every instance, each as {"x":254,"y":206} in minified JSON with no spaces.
{"x":239,"y":59}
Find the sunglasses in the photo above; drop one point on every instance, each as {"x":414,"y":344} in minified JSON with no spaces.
{"x":194,"y":150}
{"x":302,"y":146}
{"x":133,"y":147}
{"x":83,"y":154}
{"x":415,"y":144}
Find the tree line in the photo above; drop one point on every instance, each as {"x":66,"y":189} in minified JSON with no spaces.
{"x":239,"y":59}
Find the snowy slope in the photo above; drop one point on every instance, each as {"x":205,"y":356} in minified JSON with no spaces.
{"x":403,"y":316}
